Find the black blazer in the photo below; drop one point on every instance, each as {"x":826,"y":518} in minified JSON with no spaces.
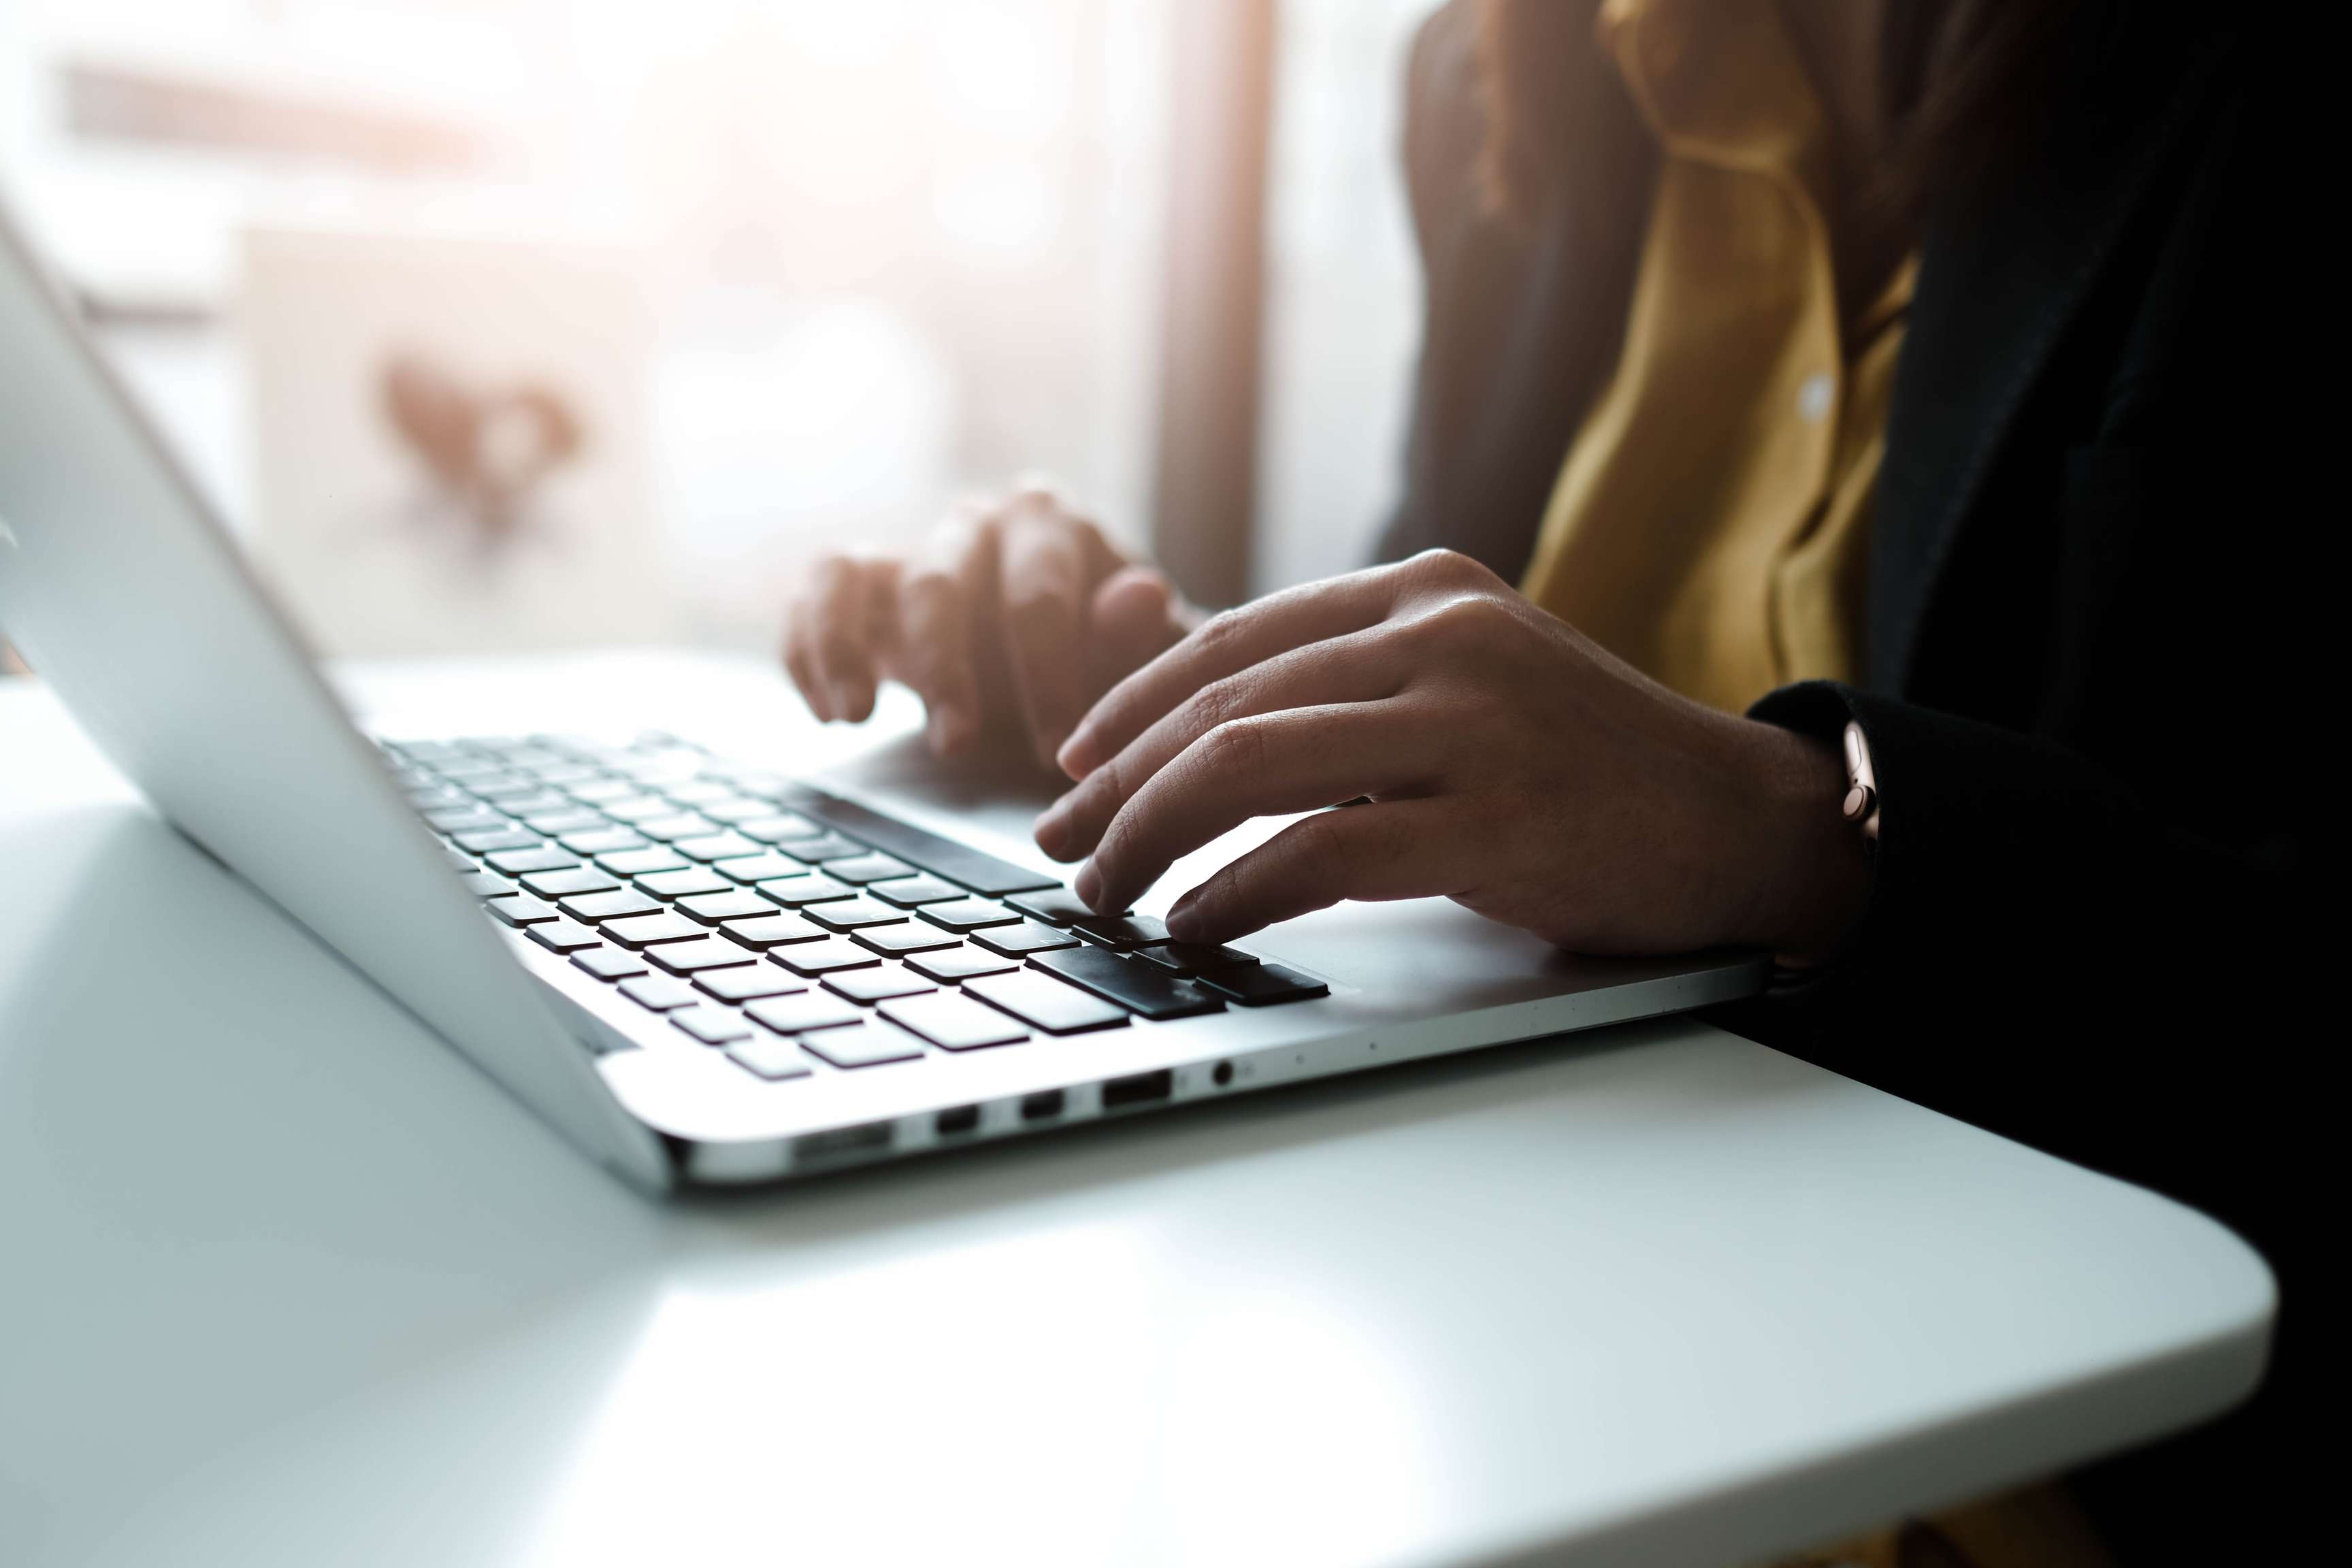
{"x":2089,"y":642}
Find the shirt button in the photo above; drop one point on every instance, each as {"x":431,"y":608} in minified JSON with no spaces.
{"x":1814,"y":397}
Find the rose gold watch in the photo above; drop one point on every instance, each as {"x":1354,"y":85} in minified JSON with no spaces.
{"x":1860,"y":785}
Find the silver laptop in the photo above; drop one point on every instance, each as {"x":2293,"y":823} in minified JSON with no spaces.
{"x":698,"y":973}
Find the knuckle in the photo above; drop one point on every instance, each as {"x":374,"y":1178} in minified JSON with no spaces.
{"x":1236,"y":747}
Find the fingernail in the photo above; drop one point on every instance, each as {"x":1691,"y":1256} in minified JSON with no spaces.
{"x":1072,"y":757}
{"x":1184,"y":920}
{"x":1050,"y":829}
{"x":1088,"y":887}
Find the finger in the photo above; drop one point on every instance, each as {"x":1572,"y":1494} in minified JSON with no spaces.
{"x":933,"y":648}
{"x":841,"y":641}
{"x":1134,"y":619}
{"x":1229,"y":642}
{"x":1362,"y":667}
{"x":1044,"y":573}
{"x":800,"y":658}
{"x":1395,"y":849}
{"x":1269,"y":765}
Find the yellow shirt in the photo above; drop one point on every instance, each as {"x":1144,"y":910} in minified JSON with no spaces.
{"x":1711,"y":521}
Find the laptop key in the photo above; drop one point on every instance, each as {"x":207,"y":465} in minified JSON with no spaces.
{"x":773,"y":1059}
{"x":643,"y":862}
{"x":1146,"y":992}
{"x":610,"y":962}
{"x":809,"y":1010}
{"x":467,"y":819}
{"x":953,"y":1023}
{"x":1019,"y":941}
{"x":821,"y":957}
{"x":602,"y":841}
{"x":734,"y":904}
{"x":1046,"y":1003}
{"x":875,"y":985}
{"x":694,"y":957}
{"x":1054,"y":906}
{"x":735,"y":808}
{"x":637,"y":808}
{"x":771,"y":930}
{"x":778,"y":826}
{"x":644,"y":931}
{"x":863,"y":868}
{"x":968,"y":914}
{"x":555,"y":824}
{"x":565,"y":884}
{"x":520,"y":909}
{"x":960,"y":964}
{"x":712,"y":1025}
{"x":515,"y":862}
{"x":684,"y":884}
{"x":602,"y":790}
{"x":660,"y":993}
{"x":1121,"y":933}
{"x":848,"y":914}
{"x":905,"y":936}
{"x":486,"y":885}
{"x":1263,"y":985}
{"x":1190,"y":958}
{"x":826,"y":846}
{"x":913,"y":892}
{"x":482,"y":840}
{"x":862,"y":1046}
{"x":562,"y":936}
{"x":457,"y":862}
{"x":957,"y":862}
{"x":716,"y":847}
{"x":747,"y":984}
{"x":767,"y":869}
{"x":676,"y":825}
{"x":597,"y":907}
{"x":798,"y":891}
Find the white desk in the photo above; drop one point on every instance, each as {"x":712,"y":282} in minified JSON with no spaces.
{"x":284,"y":1282}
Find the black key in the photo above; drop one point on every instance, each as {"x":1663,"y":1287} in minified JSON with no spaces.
{"x":772,"y":1059}
{"x":644,"y":931}
{"x":875,"y":985}
{"x":515,"y":862}
{"x":953,"y":1023}
{"x":678,"y":824}
{"x":1054,"y":906}
{"x":562,"y":936}
{"x":467,"y":819}
{"x":863,"y":868}
{"x":717,"y":847}
{"x":821,"y":957}
{"x":694,"y":957}
{"x":968,"y":914}
{"x":808,"y":887}
{"x":771,"y":930}
{"x":763,"y":869}
{"x":595,"y":908}
{"x":734,"y":904}
{"x":1189,"y":958}
{"x":683,"y":884}
{"x":517,"y":909}
{"x":909,"y":892}
{"x":481,"y":841}
{"x":960,"y":964}
{"x":610,"y":962}
{"x":828,"y":846}
{"x":956,"y":862}
{"x":747,"y":984}
{"x":1121,"y":932}
{"x":660,"y":993}
{"x":809,"y":1010}
{"x":645,"y":862}
{"x":570,"y":884}
{"x":1147,"y":993}
{"x":862,"y":1046}
{"x":1262,"y":985}
{"x":712,"y":1025}
{"x":778,"y":826}
{"x":483,"y":885}
{"x":1019,"y":941}
{"x":905,"y":936}
{"x":1046,"y":1002}
{"x":602,"y":841}
{"x":555,"y":824}
{"x":848,"y":914}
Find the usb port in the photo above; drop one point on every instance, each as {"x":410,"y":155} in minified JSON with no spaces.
{"x":962,"y":1118}
{"x":1043,"y":1106}
{"x":1138,"y":1087}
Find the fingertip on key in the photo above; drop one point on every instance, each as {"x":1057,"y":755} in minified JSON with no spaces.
{"x":1088,"y":887}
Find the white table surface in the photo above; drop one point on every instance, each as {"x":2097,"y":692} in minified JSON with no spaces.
{"x":282,"y":1281}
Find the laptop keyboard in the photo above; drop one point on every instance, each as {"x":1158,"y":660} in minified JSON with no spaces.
{"x":796,"y":933}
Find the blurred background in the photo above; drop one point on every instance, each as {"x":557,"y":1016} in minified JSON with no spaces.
{"x":497,"y":324}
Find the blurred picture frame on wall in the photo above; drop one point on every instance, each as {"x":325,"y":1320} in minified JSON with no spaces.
{"x":451,"y":448}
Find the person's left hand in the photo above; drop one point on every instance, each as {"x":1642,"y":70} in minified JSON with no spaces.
{"x":1509,"y":764}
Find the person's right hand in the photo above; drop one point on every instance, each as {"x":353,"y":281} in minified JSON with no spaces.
{"x":1008,"y":620}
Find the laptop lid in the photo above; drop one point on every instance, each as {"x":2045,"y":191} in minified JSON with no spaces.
{"x":126,"y":597}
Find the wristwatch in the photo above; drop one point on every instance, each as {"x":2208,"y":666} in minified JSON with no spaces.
{"x":1860,"y":785}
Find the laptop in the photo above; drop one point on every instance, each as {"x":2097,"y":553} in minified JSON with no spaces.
{"x":701,"y":973}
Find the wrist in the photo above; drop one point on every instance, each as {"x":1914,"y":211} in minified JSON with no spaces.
{"x":1813,"y":867}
